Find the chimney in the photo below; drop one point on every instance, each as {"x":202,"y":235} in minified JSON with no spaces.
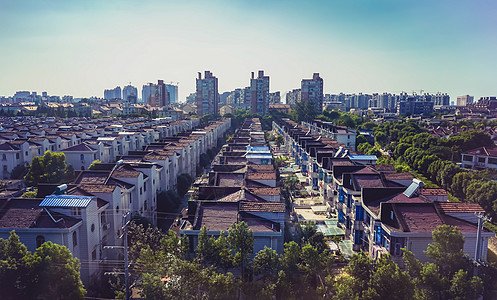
{"x":261,"y":73}
{"x":252,"y":75}
{"x":199,"y":75}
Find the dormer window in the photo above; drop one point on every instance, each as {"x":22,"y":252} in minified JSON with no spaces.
{"x":391,"y":214}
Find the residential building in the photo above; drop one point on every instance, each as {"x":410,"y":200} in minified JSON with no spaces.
{"x":464,"y":100}
{"x":480,"y":158}
{"x":312,"y":90}
{"x":226,"y":109}
{"x":70,"y":220}
{"x":441,"y":99}
{"x":413,"y":107}
{"x":259,"y":88}
{"x":207,"y":94}
{"x":172,"y":89}
{"x":130,"y":94}
{"x":114,"y":93}
{"x":274,"y":98}
{"x":294,"y":96}
{"x":241,"y":187}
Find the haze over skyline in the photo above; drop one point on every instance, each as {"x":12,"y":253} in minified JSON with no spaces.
{"x":82,"y":48}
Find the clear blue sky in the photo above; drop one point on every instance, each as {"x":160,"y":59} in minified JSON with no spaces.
{"x":82,"y":47}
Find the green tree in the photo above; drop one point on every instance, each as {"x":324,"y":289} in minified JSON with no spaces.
{"x":462,"y":286}
{"x":30,"y":194}
{"x":58,"y":273}
{"x":459,"y":182}
{"x":241,"y":241}
{"x":388,"y":281}
{"x":92,"y":165}
{"x":206,"y":253}
{"x":446,"y":251}
{"x":50,"y":168}
{"x":266,"y":263}
{"x":184,"y":181}
{"x":16,"y":278}
{"x":291,"y":258}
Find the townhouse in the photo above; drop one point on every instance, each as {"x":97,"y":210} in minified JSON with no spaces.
{"x":240,"y":187}
{"x":380,"y":211}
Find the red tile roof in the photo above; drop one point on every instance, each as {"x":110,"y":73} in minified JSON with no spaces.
{"x":434,"y":192}
{"x":262,"y":206}
{"x":483,"y":151}
{"x":459,"y":207}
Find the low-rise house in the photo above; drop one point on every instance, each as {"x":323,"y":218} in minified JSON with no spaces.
{"x":480,"y":158}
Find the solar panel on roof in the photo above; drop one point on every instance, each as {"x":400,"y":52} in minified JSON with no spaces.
{"x":411,"y":189}
{"x":65,"y":201}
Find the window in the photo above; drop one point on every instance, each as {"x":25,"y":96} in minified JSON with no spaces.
{"x":17,"y":155}
{"x":117,"y":209}
{"x":467,"y":158}
{"x":4,"y":157}
{"x":481,"y":159}
{"x":74,"y":239}
{"x":492,"y":160}
{"x":94,"y":255}
{"x":5,"y":168}
{"x":141,"y":191}
{"x":92,"y":227}
{"x":82,"y":156}
{"x":39,"y":240}
{"x":145,"y":188}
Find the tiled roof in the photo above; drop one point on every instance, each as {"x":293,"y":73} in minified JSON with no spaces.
{"x":394,"y":176}
{"x":434,"y":192}
{"x":80,"y":148}
{"x":260,"y":168}
{"x":459,"y":207}
{"x":98,"y":188}
{"x":7,"y":147}
{"x":483,"y":151}
{"x":45,"y":221}
{"x":125,"y":171}
{"x":233,"y":197}
{"x":216,"y":217}
{"x":262,"y":206}
{"x":20,"y":213}
{"x":265,"y":191}
{"x":261,"y":175}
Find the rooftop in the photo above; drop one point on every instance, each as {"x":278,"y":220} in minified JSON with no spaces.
{"x":65,"y":201}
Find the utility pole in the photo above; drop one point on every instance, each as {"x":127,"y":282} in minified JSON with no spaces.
{"x":481,"y":219}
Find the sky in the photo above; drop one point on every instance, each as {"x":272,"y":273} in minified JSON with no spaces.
{"x":80,"y":48}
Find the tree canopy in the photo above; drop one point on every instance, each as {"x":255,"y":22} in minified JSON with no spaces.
{"x":49,"y":273}
{"x":49,"y":168}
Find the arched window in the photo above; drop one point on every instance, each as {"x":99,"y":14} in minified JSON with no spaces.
{"x":39,"y":240}
{"x":74,"y":239}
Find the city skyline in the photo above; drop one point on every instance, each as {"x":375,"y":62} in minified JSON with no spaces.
{"x":81,"y":49}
